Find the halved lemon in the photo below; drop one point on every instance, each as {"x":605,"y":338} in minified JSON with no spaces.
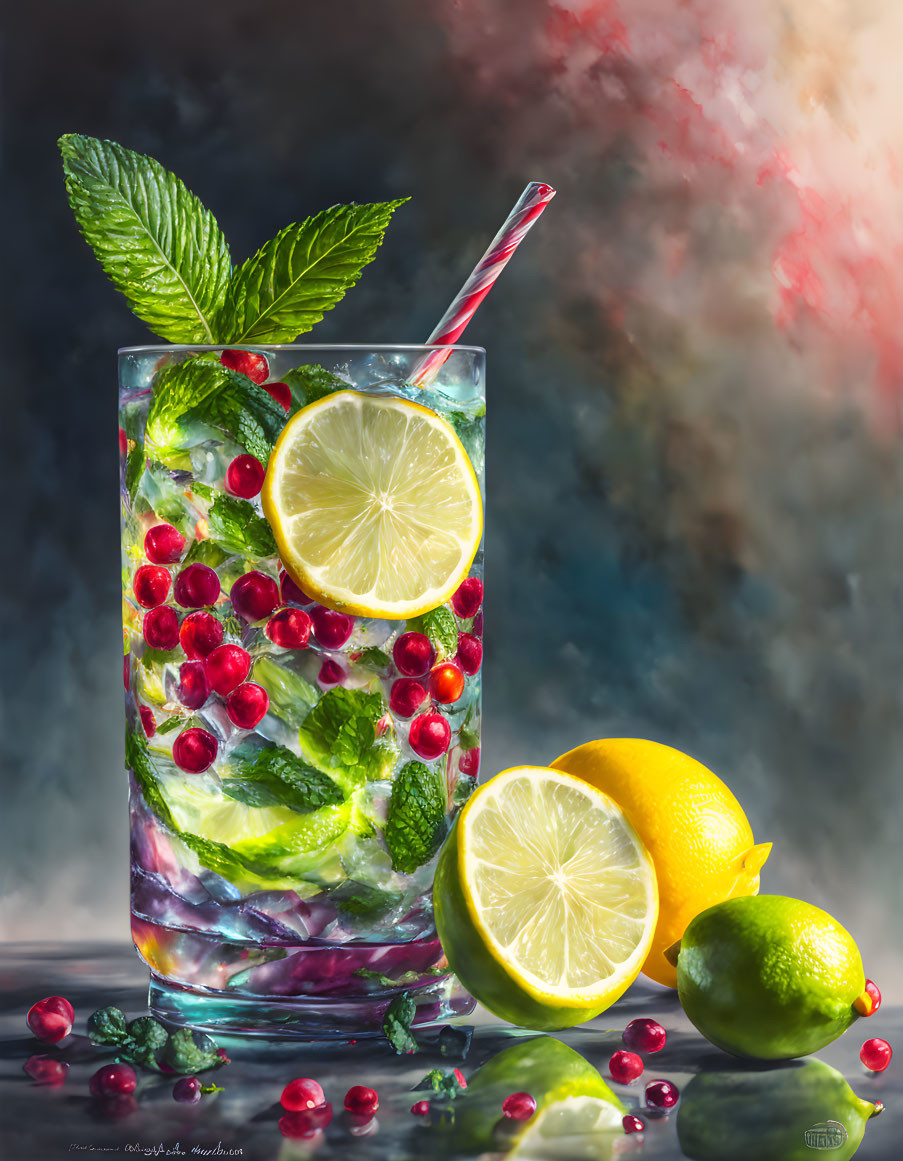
{"x":374,"y":505}
{"x":545,"y":898}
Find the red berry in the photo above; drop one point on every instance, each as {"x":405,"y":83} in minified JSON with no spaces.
{"x":151,"y":585}
{"x":161,"y":627}
{"x":406,"y":697}
{"x":876,"y":1054}
{"x":289,"y":629}
{"x":478,"y":625}
{"x":430,"y":735}
{"x":518,"y":1106}
{"x":196,"y":586}
{"x":194,"y":750}
{"x":281,"y":392}
{"x":331,"y":673}
{"x":625,"y":1067}
{"x":870,"y":1001}
{"x":254,"y":596}
{"x":51,"y":1019}
{"x":470,"y":653}
{"x":331,"y":629}
{"x":163,"y":544}
{"x":292,"y":594}
{"x":361,"y":1101}
{"x":662,"y":1094}
{"x":46,"y":1070}
{"x":302,"y":1093}
{"x":459,"y":1077}
{"x":247,"y":705}
{"x":421,"y":1108}
{"x":644,"y":1036}
{"x":123,"y":443}
{"x":244,"y":477}
{"x":199,"y":635}
{"x":126,"y":675}
{"x":148,"y":720}
{"x":632,"y":1124}
{"x":305,"y":1123}
{"x":187,"y":1090}
{"x":227,"y":667}
{"x":467,"y":600}
{"x":246,"y":363}
{"x":446,"y":682}
{"x":412,"y":654}
{"x":194,"y":686}
{"x":469,"y":762}
{"x":113,"y":1079}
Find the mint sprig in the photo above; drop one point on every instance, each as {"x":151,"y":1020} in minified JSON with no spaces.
{"x":159,"y":245}
{"x":441,"y":628}
{"x":339,"y":735}
{"x":234,"y":525}
{"x":278,"y":777}
{"x":397,"y":1024}
{"x":312,"y":382}
{"x":145,"y":1041}
{"x":416,"y":819}
{"x":293,"y":279}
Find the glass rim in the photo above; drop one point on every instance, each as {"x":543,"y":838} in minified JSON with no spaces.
{"x":418,"y":347}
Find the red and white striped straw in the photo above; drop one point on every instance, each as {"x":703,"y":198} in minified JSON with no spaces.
{"x":529,"y":206}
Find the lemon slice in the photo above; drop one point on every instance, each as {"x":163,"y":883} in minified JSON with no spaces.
{"x":546,"y":899}
{"x":374,"y":505}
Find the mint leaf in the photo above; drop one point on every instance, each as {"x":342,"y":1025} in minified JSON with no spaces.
{"x":107,"y":1026}
{"x":213,"y":855}
{"x":397,"y":1024}
{"x":339,"y":736}
{"x":291,"y":282}
{"x":366,"y":902}
{"x":468,"y":739}
{"x":415,"y":824}
{"x":189,"y":1052}
{"x":278,"y":777}
{"x":236,"y":527}
{"x":178,"y":389}
{"x":243,"y":411}
{"x":174,"y":723}
{"x":291,"y":697}
{"x":443,"y":1084}
{"x":134,"y":469}
{"x":373,"y":658}
{"x":441,"y":628}
{"x":312,"y":382}
{"x":160,"y":247}
{"x":204,"y":552}
{"x":138,"y":760}
{"x":404,"y":980}
{"x":145,"y":1037}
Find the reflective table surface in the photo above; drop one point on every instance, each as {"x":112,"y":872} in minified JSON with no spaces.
{"x":728,"y":1111}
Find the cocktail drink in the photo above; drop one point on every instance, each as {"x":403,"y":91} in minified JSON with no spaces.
{"x":302,"y":580}
{"x":293,"y":768}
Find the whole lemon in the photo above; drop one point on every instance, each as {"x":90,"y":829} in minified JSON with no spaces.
{"x":693,"y":827}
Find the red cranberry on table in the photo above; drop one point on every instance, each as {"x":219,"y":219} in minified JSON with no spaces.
{"x":227,"y":667}
{"x":406,"y":697}
{"x":420,"y":1108}
{"x":361,"y":1101}
{"x":430,"y":735}
{"x":247,"y":363}
{"x":194,"y":750}
{"x":625,"y":1067}
{"x":151,"y":585}
{"x":161,"y":627}
{"x":468,"y":598}
{"x":876,"y":1054}
{"x":247,"y":705}
{"x":113,"y":1079}
{"x":289,"y":629}
{"x":196,"y":585}
{"x":187,"y":1090}
{"x":51,"y":1019}
{"x":194,"y":688}
{"x":446,"y":682}
{"x":200,"y":634}
{"x":254,"y":596}
{"x":662,"y":1094}
{"x":644,"y":1035}
{"x":331,"y":629}
{"x":412,"y":654}
{"x":302,"y":1093}
{"x":163,"y":544}
{"x":518,"y":1106}
{"x":632,"y":1124}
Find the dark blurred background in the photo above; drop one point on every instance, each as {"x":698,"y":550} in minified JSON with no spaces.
{"x":693,"y":525}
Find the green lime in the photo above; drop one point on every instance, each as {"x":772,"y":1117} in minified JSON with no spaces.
{"x":782,"y":1114}
{"x":577,"y":1114}
{"x":769,"y":977}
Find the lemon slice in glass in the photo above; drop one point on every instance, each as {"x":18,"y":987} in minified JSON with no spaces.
{"x":374,"y":505}
{"x":546,"y":900}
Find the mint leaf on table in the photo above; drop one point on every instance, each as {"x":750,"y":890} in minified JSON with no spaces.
{"x":443,"y":1084}
{"x":190,"y":1052}
{"x":279,"y":777}
{"x":236,"y":527}
{"x":441,"y":628}
{"x":296,"y":277}
{"x":312,"y":382}
{"x":107,"y":1026}
{"x":339,"y":736}
{"x":139,"y":761}
{"x":291,"y":697}
{"x":158,"y":244}
{"x":397,"y":1024}
{"x":145,"y":1037}
{"x":415,"y":824}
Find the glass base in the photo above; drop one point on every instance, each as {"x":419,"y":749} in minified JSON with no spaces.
{"x":299,"y":1017}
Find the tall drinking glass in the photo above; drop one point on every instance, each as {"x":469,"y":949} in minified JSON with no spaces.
{"x":265,"y":897}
